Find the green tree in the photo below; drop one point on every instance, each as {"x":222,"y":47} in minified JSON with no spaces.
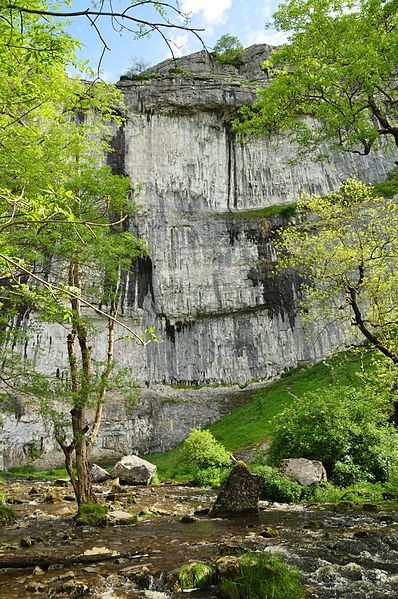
{"x":206,"y":458}
{"x":64,"y":239}
{"x":345,"y":246}
{"x":340,"y":67}
{"x":229,"y":50}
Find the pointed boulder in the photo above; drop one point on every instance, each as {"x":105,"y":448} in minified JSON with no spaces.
{"x":240,"y":493}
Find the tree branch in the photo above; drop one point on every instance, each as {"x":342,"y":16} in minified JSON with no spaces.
{"x":69,"y":293}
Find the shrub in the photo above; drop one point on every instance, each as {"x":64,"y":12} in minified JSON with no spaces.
{"x":338,"y":426}
{"x":206,"y":459}
{"x":277,"y":487}
{"x":347,"y":473}
{"x":259,"y":576}
{"x":202,"y":449}
{"x":389,"y":187}
{"x":229,"y":50}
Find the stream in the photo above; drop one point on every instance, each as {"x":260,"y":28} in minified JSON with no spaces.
{"x":340,"y":554}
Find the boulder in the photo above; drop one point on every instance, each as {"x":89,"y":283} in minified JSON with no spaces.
{"x":99,"y":475}
{"x":240,"y":492}
{"x":305,"y":472}
{"x":120,"y":517}
{"x":133,"y":470}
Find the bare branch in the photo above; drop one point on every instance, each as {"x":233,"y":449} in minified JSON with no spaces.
{"x":71,"y":294}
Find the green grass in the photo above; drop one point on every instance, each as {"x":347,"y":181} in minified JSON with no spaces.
{"x":389,"y":187}
{"x":282,"y":210}
{"x":30,"y":473}
{"x":260,"y":576}
{"x":91,"y":514}
{"x":250,"y":424}
{"x":7,"y":516}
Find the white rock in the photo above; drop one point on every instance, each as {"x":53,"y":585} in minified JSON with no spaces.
{"x":134,"y":470}
{"x":305,"y":472}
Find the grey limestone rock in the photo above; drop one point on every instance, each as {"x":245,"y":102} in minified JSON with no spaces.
{"x":120,"y":517}
{"x":133,"y":470}
{"x":305,"y":472}
{"x":99,"y":475}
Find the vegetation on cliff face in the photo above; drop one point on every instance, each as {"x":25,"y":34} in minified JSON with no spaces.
{"x":340,"y":66}
{"x":229,"y":50}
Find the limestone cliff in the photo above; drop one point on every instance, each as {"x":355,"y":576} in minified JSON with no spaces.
{"x":207,"y":284}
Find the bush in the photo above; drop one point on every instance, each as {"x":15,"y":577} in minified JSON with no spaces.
{"x":259,"y":576}
{"x":389,"y":187}
{"x":277,"y":487}
{"x":345,"y":429}
{"x":229,"y":50}
{"x":206,"y":459}
{"x":347,"y":473}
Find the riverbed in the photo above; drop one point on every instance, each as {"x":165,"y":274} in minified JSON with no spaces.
{"x":341,"y":553}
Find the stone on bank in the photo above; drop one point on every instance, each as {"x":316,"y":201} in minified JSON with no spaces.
{"x":305,"y":472}
{"x":132,"y":470}
{"x":240,"y":493}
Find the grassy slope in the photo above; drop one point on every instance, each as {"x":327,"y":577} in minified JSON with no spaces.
{"x":250,"y":424}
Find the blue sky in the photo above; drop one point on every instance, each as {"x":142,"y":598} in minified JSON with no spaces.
{"x":243,"y":18}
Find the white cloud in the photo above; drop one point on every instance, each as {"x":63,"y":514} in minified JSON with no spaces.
{"x":213,"y":11}
{"x":179,"y":43}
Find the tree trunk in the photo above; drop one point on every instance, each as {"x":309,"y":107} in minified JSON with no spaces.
{"x":83,"y":485}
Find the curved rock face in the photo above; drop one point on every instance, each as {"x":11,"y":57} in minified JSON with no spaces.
{"x":208,"y":284}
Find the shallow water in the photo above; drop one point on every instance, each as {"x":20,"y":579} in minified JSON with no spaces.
{"x":351,"y":555}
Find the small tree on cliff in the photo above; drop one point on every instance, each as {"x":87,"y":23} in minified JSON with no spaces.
{"x":345,"y":245}
{"x":229,"y":50}
{"x":341,"y":67}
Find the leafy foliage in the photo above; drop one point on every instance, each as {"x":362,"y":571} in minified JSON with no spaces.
{"x":229,"y":50}
{"x":389,"y":187}
{"x":64,"y":224}
{"x":346,"y":247}
{"x":250,"y":424}
{"x":206,"y":458}
{"x":340,"y":66}
{"x":346,"y":430}
{"x":277,"y":487}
